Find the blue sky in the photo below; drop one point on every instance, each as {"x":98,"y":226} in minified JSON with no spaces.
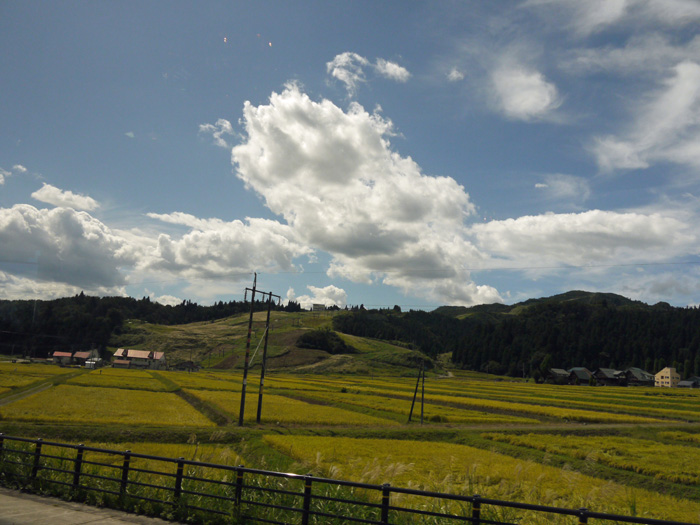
{"x":377,"y":153}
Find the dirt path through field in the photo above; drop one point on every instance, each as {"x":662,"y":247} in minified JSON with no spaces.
{"x":20,"y":395}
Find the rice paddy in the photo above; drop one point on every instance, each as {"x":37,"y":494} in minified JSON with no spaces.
{"x":545,"y":444}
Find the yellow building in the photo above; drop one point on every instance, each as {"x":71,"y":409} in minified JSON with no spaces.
{"x":668,"y":377}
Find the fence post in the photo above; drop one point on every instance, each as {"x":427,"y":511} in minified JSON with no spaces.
{"x":385,"y":503}
{"x":307,"y":500}
{"x":78,"y":466}
{"x":476,"y":510}
{"x":37,"y":458}
{"x":178,"y":478}
{"x":125,"y":473}
{"x":239,"y":485}
{"x":582,"y":516}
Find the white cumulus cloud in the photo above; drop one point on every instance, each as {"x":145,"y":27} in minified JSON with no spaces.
{"x":65,"y":246}
{"x":332,"y":175}
{"x":214,"y":249}
{"x":329,"y":296}
{"x":587,"y":238}
{"x":57,"y":197}
{"x":392,"y":70}
{"x":522,"y":93}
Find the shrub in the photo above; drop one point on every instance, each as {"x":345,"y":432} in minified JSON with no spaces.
{"x":324,"y":340}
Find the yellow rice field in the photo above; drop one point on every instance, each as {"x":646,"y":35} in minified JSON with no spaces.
{"x":90,"y":405}
{"x":435,"y":413}
{"x":466,"y":470}
{"x":118,"y":378}
{"x":671,"y":462}
{"x":284,"y":410}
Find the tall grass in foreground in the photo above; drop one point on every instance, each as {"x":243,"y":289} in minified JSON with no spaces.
{"x":460,"y":469}
{"x":208,"y":495}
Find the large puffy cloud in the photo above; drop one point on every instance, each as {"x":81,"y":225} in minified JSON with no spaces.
{"x":333,"y":177}
{"x":62,"y":245}
{"x":666,"y":128}
{"x":215,"y":249}
{"x":588,"y":238}
{"x":53,"y":195}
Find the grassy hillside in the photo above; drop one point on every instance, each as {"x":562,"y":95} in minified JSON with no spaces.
{"x":221,"y":344}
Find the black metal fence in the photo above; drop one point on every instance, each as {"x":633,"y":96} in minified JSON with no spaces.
{"x":201,"y":492}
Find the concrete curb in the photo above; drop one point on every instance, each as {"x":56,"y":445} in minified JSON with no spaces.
{"x":20,"y":508}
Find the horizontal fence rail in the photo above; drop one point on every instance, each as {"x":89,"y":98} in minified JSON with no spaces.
{"x":179,"y":489}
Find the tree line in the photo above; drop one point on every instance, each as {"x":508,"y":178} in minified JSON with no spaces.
{"x":38,"y":328}
{"x":528,"y":339}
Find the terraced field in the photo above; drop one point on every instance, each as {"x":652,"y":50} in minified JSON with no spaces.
{"x":623,"y":450}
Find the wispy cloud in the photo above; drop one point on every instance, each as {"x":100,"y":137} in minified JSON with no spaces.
{"x":455,"y":75}
{"x":565,"y":187}
{"x":218,"y":130}
{"x":666,"y":127}
{"x":349,"y":68}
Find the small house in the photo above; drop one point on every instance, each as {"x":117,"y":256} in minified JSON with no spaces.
{"x":638,"y":377}
{"x":579,"y":376}
{"x":158,"y":361}
{"x":80,"y":358}
{"x":609,"y":377}
{"x":139,"y":358}
{"x":691,"y":382}
{"x":668,"y":377}
{"x":62,"y":358}
{"x":557,"y":376}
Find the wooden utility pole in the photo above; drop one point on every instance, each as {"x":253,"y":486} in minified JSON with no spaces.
{"x":422,"y":394}
{"x":270,"y":295}
{"x":247,"y":351}
{"x":415,"y":394}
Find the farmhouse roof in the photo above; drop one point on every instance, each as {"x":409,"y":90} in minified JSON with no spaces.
{"x":157,"y":355}
{"x":120,"y":362}
{"x":138,"y":354}
{"x":607,"y":373}
{"x":62,"y":354}
{"x":558,"y":372}
{"x":120,"y":352}
{"x":82,"y":355}
{"x":581,"y":373}
{"x":639,"y":374}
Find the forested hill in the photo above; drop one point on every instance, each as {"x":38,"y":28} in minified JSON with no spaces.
{"x":573,"y":329}
{"x":38,"y":328}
